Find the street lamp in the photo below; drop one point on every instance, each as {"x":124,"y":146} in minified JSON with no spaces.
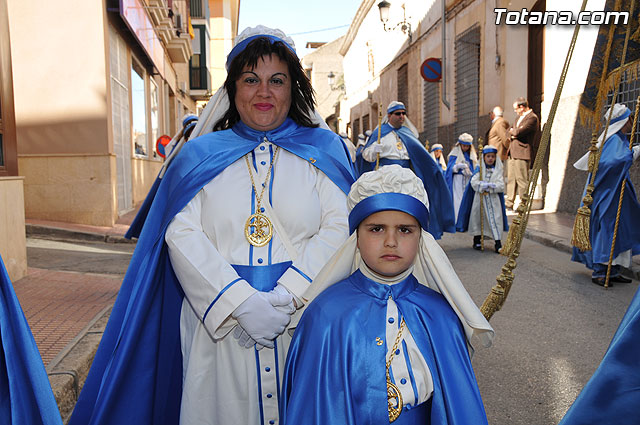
{"x":404,"y":25}
{"x":331,"y":78}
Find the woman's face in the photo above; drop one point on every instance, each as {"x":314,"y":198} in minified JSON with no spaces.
{"x":464,"y":147}
{"x":437,"y":153}
{"x":263,"y":94}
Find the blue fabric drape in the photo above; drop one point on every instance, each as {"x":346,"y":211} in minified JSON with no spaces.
{"x":26,"y":397}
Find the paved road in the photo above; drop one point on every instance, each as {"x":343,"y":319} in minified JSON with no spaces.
{"x":82,"y":257}
{"x":550,"y":335}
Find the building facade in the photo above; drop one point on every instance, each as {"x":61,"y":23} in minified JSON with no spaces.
{"x":484,"y":64}
{"x":94,"y":84}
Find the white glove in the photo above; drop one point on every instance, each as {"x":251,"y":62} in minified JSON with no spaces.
{"x":281,"y":290}
{"x":491,"y":185}
{"x":457,"y":167}
{"x":244,"y":340}
{"x":376,"y":147}
{"x":258,"y":316}
{"x":636,"y":152}
{"x":482,"y":187}
{"x":466,"y":171}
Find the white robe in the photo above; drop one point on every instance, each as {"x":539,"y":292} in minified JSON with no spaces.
{"x":493,"y":220}
{"x":460,"y":179}
{"x":392,"y":148}
{"x":224,"y":383}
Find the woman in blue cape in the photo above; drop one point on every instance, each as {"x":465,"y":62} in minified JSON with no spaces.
{"x":233,"y":232}
{"x":399,"y":145}
{"x":388,"y":315}
{"x":25,"y":392}
{"x":613,"y":168}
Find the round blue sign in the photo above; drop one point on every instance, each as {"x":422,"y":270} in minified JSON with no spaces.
{"x":431,"y":70}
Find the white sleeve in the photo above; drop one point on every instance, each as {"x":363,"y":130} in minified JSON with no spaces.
{"x":211,"y":285}
{"x":499,"y":185}
{"x":475,"y":182}
{"x":333,"y":231}
{"x":368,"y":153}
{"x":636,"y":152}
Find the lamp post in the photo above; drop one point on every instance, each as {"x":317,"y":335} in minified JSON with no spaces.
{"x":405,"y":26}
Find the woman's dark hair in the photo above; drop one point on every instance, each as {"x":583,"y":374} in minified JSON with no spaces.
{"x":302,"y":95}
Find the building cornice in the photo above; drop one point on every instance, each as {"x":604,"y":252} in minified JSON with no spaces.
{"x":361,"y":13}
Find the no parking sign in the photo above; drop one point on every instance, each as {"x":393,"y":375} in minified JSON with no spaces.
{"x":431,"y":70}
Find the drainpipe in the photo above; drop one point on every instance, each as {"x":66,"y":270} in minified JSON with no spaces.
{"x":444,"y":55}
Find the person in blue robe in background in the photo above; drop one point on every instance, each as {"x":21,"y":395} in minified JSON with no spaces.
{"x":436,"y":154}
{"x":612,"y":395}
{"x":615,"y":161}
{"x":26,"y":397}
{"x":461,"y":162}
{"x":399,"y":145}
{"x":401,"y":322}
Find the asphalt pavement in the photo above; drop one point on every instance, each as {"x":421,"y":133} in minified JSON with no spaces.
{"x":550,"y":335}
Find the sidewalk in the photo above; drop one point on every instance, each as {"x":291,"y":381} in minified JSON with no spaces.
{"x":68,"y":311}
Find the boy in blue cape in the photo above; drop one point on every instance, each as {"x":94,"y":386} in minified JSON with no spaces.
{"x":491,"y":186}
{"x":386,"y":336}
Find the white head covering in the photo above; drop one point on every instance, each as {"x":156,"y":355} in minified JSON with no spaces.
{"x":395,"y":106}
{"x":456,"y":151}
{"x":219,"y":103}
{"x":619,"y":118}
{"x":498,"y":166}
{"x":432,"y":267}
{"x":441,"y":161}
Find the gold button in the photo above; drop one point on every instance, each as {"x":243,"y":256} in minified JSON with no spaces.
{"x":379,"y":341}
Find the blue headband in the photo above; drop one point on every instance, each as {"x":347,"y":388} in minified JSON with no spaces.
{"x":464,"y":142}
{"x":436,"y":148}
{"x":621,"y":117}
{"x":385,"y":202}
{"x":489,"y":149}
{"x":238,"y":48}
{"x":396,"y":107}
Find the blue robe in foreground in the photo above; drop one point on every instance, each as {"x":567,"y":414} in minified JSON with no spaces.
{"x":464,"y":214}
{"x":441,"y":217}
{"x":25,"y":392}
{"x":613,"y":169}
{"x":612,"y":395}
{"x":136,"y":376}
{"x":336,"y":373}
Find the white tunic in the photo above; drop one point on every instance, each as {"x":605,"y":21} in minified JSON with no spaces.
{"x":493,"y":223}
{"x":224,"y":383}
{"x":392,"y":148}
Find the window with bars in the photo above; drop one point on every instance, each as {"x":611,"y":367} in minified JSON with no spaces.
{"x":403,"y":85}
{"x":467,"y":54}
{"x":356,"y":130}
{"x":628,"y":92}
{"x":365,"y":123}
{"x":431,"y":111}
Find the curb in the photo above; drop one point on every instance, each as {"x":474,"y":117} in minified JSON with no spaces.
{"x":58,"y":233}
{"x":69,"y":369}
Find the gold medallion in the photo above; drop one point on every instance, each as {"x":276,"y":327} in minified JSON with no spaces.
{"x":399,"y":146}
{"x":263,"y":229}
{"x":394,"y":401}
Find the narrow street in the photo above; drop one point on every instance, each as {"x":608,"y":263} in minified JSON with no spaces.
{"x":550,"y":336}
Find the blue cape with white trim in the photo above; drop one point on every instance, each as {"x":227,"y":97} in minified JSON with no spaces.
{"x":441,"y":217}
{"x":615,"y":161}
{"x":136,"y":376}
{"x":335,"y":372}
{"x":25,"y":391}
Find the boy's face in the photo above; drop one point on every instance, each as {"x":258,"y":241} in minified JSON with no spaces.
{"x":464,"y":147}
{"x":437,"y":153}
{"x":388,"y":241}
{"x":490,"y":158}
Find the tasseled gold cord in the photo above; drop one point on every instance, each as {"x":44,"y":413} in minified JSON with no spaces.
{"x":581,"y":227}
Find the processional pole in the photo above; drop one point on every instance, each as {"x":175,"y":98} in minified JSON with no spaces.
{"x":498,"y":295}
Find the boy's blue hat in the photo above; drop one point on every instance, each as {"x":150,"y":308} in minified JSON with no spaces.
{"x":489,"y":149}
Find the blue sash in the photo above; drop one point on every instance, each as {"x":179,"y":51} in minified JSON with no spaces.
{"x":419,"y":415}
{"x":262,"y":278}
{"x":405,"y":163}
